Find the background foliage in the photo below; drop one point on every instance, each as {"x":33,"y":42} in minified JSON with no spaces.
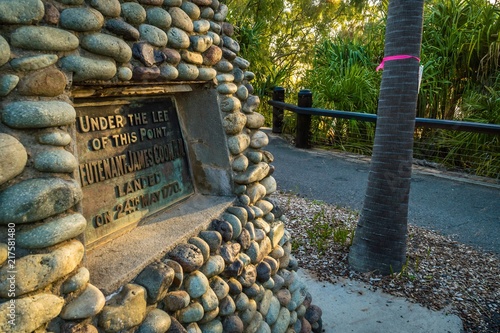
{"x":332,"y":48}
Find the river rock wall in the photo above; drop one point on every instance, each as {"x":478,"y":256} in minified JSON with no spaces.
{"x":236,"y":276}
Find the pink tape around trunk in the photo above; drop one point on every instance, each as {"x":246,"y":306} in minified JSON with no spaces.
{"x":395,"y":57}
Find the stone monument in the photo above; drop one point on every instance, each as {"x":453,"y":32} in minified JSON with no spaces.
{"x":134,"y":180}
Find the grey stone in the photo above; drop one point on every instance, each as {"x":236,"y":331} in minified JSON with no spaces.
{"x":208,"y":316}
{"x":153,"y":35}
{"x":276,"y":233}
{"x":274,"y":310}
{"x":237,"y":144}
{"x":212,"y":57}
{"x":254,"y":156}
{"x":252,"y":291}
{"x":76,"y":282}
{"x":248,"y":276}
{"x":206,"y":74}
{"x":282,"y":322}
{"x":48,"y":82}
{"x":190,"y":314}
{"x":4,"y":51}
{"x":14,"y":157}
{"x":187,"y":72}
{"x":299,"y":295}
{"x":156,"y":278}
{"x":37,"y":198}
{"x":227,"y":306}
{"x":202,"y":245}
{"x":235,"y":224}
{"x":88,"y":69}
{"x":259,"y":235}
{"x":269,"y":284}
{"x":36,"y":271}
{"x":214,"y":266}
{"x":125,"y":310}
{"x":240,"y":212}
{"x":263,"y":272}
{"x":43,"y":38}
{"x":255,"y":172}
{"x":233,"y":123}
{"x":191,"y":57}
{"x":207,"y":13}
{"x":259,"y":139}
{"x":123,"y":29}
{"x":158,"y":17}
{"x":279,"y":282}
{"x":172,"y":3}
{"x":229,"y":252}
{"x":4,"y":254}
{"x":196,"y":284}
{"x":293,"y":317}
{"x":201,"y":26}
{"x":177,"y":38}
{"x":234,"y":286}
{"x":228,"y":54}
{"x":7,"y":83}
{"x":265,"y":206}
{"x":81,"y":19}
{"x":86,"y":305}
{"x":178,"y":273}
{"x":224,"y":228}
{"x":21,"y":12}
{"x":175,"y":326}
{"x":240,"y":163}
{"x":255,"y":120}
{"x":251,"y":229}
{"x":241,"y":63}
{"x":227,"y":29}
{"x":52,"y":14}
{"x":313,"y":314}
{"x":254,"y":320}
{"x":214,"y":326}
{"x":239,"y":189}
{"x":157,"y":321}
{"x":251,"y":104}
{"x":55,"y":160}
{"x":52,"y":232}
{"x":71,"y":2}
{"x":242,"y":302}
{"x":107,"y":45}
{"x":109,"y":8}
{"x":219,"y":286}
{"x":242,"y":92}
{"x":200,"y":43}
{"x":277,"y":252}
{"x":32,"y":63}
{"x":234,"y":269}
{"x":191,"y":9}
{"x":188,"y":256}
{"x":209,"y":300}
{"x":244,"y":239}
{"x":180,"y":19}
{"x":213,"y":239}
{"x":270,"y":184}
{"x":249,"y":75}
{"x":172,"y":56}
{"x":230,"y":104}
{"x":233,"y":324}
{"x":144,"y":52}
{"x":231,"y":44}
{"x":133,"y":13}
{"x":124,"y":73}
{"x":265,"y":303}
{"x":227,"y":88}
{"x":238,"y":75}
{"x":272,"y":263}
{"x":176,"y":300}
{"x":55,"y":137}
{"x":30,"y":312}
{"x":263,"y":328}
{"x":151,"y":2}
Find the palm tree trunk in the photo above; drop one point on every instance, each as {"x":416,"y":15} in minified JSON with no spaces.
{"x":380,"y":240}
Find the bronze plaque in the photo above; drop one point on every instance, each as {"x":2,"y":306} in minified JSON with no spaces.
{"x":132,"y":163}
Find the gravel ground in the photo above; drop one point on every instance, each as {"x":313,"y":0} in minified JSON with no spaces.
{"x":440,"y":273}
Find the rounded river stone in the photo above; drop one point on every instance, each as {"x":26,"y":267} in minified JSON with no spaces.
{"x":196,"y":284}
{"x":190,"y":314}
{"x":32,"y":63}
{"x":242,"y":93}
{"x":237,"y":144}
{"x":172,"y":3}
{"x":38,"y":198}
{"x":230,"y":104}
{"x":191,"y":57}
{"x":254,"y":173}
{"x":168,"y":72}
{"x":86,"y":305}
{"x":219,"y":286}
{"x":213,"y":239}
{"x":71,"y":2}
{"x":255,"y":120}
{"x":36,"y":271}
{"x":123,"y":29}
{"x":201,"y":26}
{"x":49,"y":82}
{"x":14,"y":157}
{"x":52,"y":232}
{"x":202,"y":245}
{"x":227,"y":88}
{"x":191,"y":9}
{"x":89,"y":69}
{"x":125,"y":310}
{"x":31,"y":312}
{"x":153,"y":35}
{"x":77,"y":281}
{"x":187,"y":72}
{"x":227,"y":306}
{"x":107,"y":45}
{"x":200,"y":43}
{"x":156,"y":278}
{"x":31,"y":114}
{"x":214,"y":266}
{"x":206,"y":74}
{"x":240,"y":163}
{"x":21,"y":12}
{"x":180,"y":19}
{"x":43,"y":38}
{"x":188,"y":256}
{"x":81,"y":19}
{"x":156,"y":321}
{"x":214,"y":326}
{"x":124,"y":73}
{"x":109,"y":8}
{"x":158,"y":17}
{"x":259,"y":140}
{"x":233,"y":123}
{"x":176,"y":300}
{"x":133,"y":13}
{"x":207,"y":13}
{"x":4,"y":51}
{"x":55,"y":138}
{"x":212,"y":56}
{"x":177,"y":38}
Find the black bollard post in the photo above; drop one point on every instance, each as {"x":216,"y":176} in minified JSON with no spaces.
{"x":303,"y":120}
{"x":278,"y":95}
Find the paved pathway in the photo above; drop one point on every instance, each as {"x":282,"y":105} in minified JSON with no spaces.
{"x":453,"y":206}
